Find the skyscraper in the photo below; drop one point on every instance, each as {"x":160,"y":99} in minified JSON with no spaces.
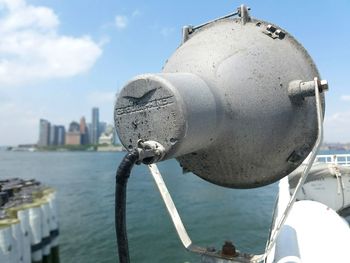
{"x":84,"y":131}
{"x":89,"y":127}
{"x":44,"y":133}
{"x":61,"y":135}
{"x":95,"y":126}
{"x":73,"y":135}
{"x":53,"y":135}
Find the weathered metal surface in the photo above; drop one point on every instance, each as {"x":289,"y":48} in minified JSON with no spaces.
{"x":177,"y":110}
{"x":222,"y":107}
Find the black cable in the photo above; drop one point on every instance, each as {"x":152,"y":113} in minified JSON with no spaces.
{"x":122,"y":177}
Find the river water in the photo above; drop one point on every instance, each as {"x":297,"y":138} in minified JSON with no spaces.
{"x":85,"y":184}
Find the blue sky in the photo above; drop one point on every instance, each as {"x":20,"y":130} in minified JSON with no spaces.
{"x":59,"y":58}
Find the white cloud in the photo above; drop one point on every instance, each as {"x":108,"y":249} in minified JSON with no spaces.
{"x":337,"y":128}
{"x":22,"y":17}
{"x":136,"y":13}
{"x":104,"y":40}
{"x":167,"y":31}
{"x":11,"y":4}
{"x":345,"y":97}
{"x":121,"y":21}
{"x":31,"y":48}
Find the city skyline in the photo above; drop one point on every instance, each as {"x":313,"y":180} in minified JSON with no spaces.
{"x":81,"y":133}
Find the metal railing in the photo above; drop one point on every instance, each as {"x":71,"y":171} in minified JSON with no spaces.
{"x":341,"y":159}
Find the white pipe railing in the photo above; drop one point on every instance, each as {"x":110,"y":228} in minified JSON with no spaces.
{"x":341,"y":159}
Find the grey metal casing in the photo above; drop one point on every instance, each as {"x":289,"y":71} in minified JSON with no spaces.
{"x":221,"y":105}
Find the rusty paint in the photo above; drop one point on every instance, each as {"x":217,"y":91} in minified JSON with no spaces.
{"x":228,"y":249}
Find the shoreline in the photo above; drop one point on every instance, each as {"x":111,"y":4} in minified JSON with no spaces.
{"x":65,"y":148}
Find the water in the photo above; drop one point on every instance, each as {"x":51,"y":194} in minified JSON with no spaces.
{"x":85,"y":184}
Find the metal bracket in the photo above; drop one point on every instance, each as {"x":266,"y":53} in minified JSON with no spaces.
{"x":215,"y":257}
{"x":149,"y":151}
{"x":280,"y":223}
{"x":181,"y":230}
{"x":298,"y":89}
{"x":273,"y":32}
{"x":242,"y":12}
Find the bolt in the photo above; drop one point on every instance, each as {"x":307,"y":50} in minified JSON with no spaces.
{"x":323,"y":85}
{"x":228,"y":249}
{"x":280,"y":33}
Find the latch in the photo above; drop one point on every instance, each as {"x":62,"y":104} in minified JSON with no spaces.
{"x":273,"y":32}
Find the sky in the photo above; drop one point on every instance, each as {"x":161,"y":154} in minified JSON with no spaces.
{"x":60,"y":58}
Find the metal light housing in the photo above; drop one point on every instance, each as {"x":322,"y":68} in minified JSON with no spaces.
{"x":228,"y":104}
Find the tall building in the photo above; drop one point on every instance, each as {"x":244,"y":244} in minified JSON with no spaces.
{"x":74,"y":127}
{"x":61,"y":135}
{"x":53,"y":135}
{"x":73,"y":135}
{"x":44,"y":133}
{"x":82,"y":125}
{"x":95,"y":126}
{"x":89,"y":127}
{"x":84,"y":131}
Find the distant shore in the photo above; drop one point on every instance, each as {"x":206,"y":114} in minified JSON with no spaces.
{"x":335,"y":146}
{"x":64,"y":148}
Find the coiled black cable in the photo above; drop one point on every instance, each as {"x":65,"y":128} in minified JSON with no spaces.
{"x":122,"y":177}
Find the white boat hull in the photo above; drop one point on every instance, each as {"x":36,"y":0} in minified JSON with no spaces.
{"x":313,"y":232}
